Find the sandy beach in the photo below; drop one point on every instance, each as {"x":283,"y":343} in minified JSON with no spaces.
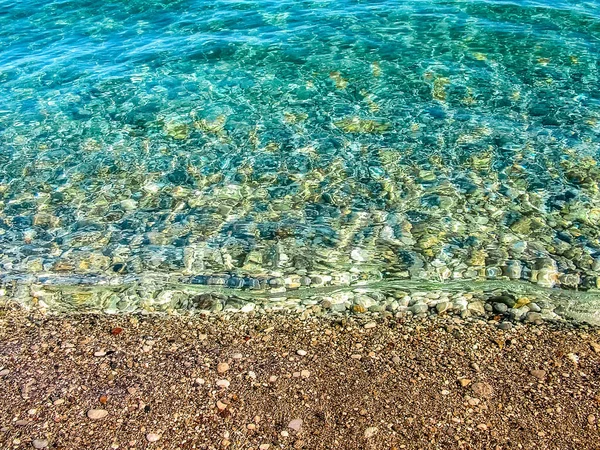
{"x":278,"y":382}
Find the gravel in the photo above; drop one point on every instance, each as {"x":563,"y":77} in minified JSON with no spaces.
{"x":407,"y":383}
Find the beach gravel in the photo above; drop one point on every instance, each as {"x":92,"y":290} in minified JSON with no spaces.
{"x":406,"y":383}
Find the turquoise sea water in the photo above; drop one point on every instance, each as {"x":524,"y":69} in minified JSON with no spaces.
{"x":283,"y":147}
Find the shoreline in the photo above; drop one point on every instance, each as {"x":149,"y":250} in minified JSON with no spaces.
{"x":280,"y":381}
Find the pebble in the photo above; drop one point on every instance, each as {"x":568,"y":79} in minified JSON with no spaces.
{"x":224,"y":384}
{"x":305,"y":373}
{"x":442,"y":307}
{"x":152,"y":437}
{"x":533,"y":317}
{"x":221,"y":406}
{"x":264,"y":446}
{"x":464,"y":382}
{"x":539,"y":374}
{"x":370,"y":325}
{"x":4,"y":372}
{"x":301,"y":352}
{"x":100,"y":353}
{"x":370,"y":432}
{"x":500,"y":308}
{"x":295,"y":425}
{"x":96,"y":414}
{"x":222,"y":367}
{"x":39,"y":443}
{"x":482,"y":389}
{"x":419,"y":308}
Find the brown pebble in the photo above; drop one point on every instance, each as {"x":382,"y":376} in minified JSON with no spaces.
{"x":539,"y":374}
{"x":482,"y":390}
{"x":222,"y":367}
{"x":464,"y":382}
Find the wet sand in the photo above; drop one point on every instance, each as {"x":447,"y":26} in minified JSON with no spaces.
{"x":278,"y":382}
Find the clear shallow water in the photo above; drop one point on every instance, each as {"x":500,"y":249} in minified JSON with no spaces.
{"x":273,"y":146}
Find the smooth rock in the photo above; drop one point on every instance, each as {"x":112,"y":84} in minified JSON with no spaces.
{"x":442,"y":307}
{"x":223,"y":384}
{"x":97,"y":414}
{"x":539,"y":374}
{"x":419,"y":308}
{"x":152,"y":437}
{"x":295,"y":425}
{"x":222,"y":367}
{"x":476,"y":308}
{"x":500,"y":308}
{"x":533,"y":317}
{"x":39,"y":443}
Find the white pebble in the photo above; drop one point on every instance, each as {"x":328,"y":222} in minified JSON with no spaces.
{"x":39,"y":443}
{"x":224,"y":384}
{"x":370,"y":432}
{"x":301,"y":352}
{"x":152,"y":437}
{"x":96,"y":414}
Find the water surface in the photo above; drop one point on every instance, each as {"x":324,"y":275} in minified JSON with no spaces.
{"x":260,"y":145}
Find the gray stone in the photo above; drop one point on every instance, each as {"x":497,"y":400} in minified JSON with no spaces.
{"x":505,"y":325}
{"x":500,"y":308}
{"x":419,"y":308}
{"x":533,"y":317}
{"x":508,"y":301}
{"x":39,"y":443}
{"x":533,"y":307}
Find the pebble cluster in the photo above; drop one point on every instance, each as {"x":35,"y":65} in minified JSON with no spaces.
{"x":252,"y":296}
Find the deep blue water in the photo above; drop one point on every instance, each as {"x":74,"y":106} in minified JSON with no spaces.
{"x":422,"y":140}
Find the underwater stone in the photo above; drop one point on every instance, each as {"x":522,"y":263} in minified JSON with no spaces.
{"x":500,"y":308}
{"x":570,"y":279}
{"x":476,"y":307}
{"x":419,"y":308}
{"x":442,"y":307}
{"x":513,"y":270}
